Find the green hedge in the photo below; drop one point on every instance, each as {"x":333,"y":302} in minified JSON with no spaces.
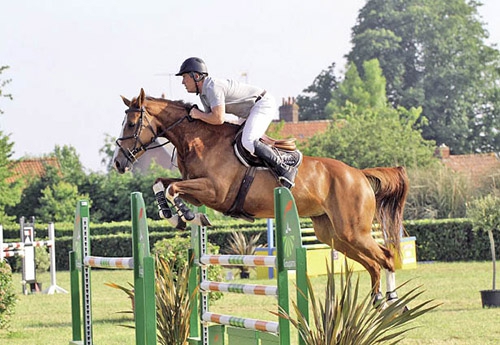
{"x":436,"y":240}
{"x":450,"y":240}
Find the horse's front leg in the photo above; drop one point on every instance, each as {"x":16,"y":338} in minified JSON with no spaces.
{"x":164,"y":210}
{"x":176,"y":190}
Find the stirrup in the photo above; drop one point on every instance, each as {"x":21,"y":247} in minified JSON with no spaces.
{"x":287,"y":176}
{"x":286,"y":182}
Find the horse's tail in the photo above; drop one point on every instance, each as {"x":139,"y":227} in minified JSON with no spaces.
{"x":391,"y":189}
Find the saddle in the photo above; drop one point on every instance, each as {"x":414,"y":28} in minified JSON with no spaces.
{"x":286,"y":148}
{"x":288,"y":152}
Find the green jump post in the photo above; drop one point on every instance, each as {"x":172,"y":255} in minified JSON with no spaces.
{"x":291,"y":255}
{"x":144,"y":276}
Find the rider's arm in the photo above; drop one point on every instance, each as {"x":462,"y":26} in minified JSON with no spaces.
{"x":215,"y":117}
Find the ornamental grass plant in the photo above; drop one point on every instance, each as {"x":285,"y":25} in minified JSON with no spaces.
{"x":173,"y":302}
{"x":240,"y":245}
{"x":346,"y":318}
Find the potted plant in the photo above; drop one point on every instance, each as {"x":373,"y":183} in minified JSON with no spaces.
{"x":239,"y":245}
{"x":485,"y":215}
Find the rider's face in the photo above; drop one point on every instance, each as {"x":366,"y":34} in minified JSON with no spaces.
{"x":189,"y":83}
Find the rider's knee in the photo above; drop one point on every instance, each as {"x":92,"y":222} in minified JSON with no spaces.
{"x":248,"y":144}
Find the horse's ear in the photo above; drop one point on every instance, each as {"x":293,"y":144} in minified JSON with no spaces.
{"x":126,"y":101}
{"x":141,"y":98}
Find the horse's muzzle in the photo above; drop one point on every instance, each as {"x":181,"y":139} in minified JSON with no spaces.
{"x":123,"y":166}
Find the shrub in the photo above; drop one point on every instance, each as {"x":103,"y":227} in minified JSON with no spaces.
{"x":175,"y":250}
{"x":42,"y":259}
{"x":7,"y":295}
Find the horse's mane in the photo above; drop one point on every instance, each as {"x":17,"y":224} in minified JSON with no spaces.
{"x":177,"y":103}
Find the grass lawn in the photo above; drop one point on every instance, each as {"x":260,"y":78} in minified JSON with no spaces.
{"x":460,"y":320}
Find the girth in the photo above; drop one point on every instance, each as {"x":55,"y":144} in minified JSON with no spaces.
{"x":288,"y":152}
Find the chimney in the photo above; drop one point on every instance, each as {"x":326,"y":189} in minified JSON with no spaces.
{"x":289,"y":110}
{"x":442,"y":152}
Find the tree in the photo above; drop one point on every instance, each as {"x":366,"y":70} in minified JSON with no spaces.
{"x":10,"y":192}
{"x":32,"y":192}
{"x":71,"y":167}
{"x":433,"y":55}
{"x":3,"y":83}
{"x":57,"y":202}
{"x":107,"y":151}
{"x":367,"y":92}
{"x":312,"y":104}
{"x":367,"y":131}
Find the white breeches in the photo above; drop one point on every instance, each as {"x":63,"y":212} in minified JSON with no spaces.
{"x":261,"y":116}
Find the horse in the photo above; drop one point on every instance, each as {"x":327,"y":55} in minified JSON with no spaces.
{"x":342,"y":201}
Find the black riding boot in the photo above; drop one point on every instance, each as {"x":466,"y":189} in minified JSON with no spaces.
{"x":286,"y":174}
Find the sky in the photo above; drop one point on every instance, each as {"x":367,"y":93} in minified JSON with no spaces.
{"x":70,"y":60}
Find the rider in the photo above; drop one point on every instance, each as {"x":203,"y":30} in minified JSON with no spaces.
{"x":221,"y":96}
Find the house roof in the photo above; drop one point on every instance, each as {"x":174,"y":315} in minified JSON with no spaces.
{"x":33,"y":167}
{"x":475,"y":166}
{"x":304,"y":130}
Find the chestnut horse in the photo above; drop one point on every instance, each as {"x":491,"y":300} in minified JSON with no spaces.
{"x":341,"y":201}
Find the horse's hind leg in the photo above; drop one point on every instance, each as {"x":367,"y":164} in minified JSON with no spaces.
{"x":325,"y":233}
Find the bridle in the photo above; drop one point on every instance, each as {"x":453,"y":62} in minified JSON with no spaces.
{"x":144,"y":122}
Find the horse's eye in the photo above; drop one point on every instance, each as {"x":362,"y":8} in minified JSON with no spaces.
{"x":131,"y":124}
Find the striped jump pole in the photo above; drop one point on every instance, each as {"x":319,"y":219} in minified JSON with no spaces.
{"x":142,"y":263}
{"x":290,"y":256}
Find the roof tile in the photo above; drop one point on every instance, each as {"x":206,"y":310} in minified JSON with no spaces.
{"x":33,"y":167}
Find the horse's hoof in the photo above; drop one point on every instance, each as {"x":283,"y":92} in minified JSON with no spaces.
{"x":391,"y":296}
{"x":177,"y":222}
{"x":181,"y":225}
{"x":378,"y":299}
{"x":201,"y":220}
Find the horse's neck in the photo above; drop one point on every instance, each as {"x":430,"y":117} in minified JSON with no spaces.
{"x":200,"y":136}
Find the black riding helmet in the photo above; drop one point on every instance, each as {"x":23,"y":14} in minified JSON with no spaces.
{"x":193,"y":64}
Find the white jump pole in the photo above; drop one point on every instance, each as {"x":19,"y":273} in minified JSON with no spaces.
{"x":53,"y":288}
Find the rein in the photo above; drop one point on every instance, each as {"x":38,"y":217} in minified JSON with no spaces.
{"x":131,"y":154}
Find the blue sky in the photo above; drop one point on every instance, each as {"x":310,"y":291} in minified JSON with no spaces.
{"x":70,"y":60}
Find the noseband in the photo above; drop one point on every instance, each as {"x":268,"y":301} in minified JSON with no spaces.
{"x":139,"y":145}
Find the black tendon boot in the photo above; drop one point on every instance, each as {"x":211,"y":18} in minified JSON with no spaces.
{"x":286,"y":174}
